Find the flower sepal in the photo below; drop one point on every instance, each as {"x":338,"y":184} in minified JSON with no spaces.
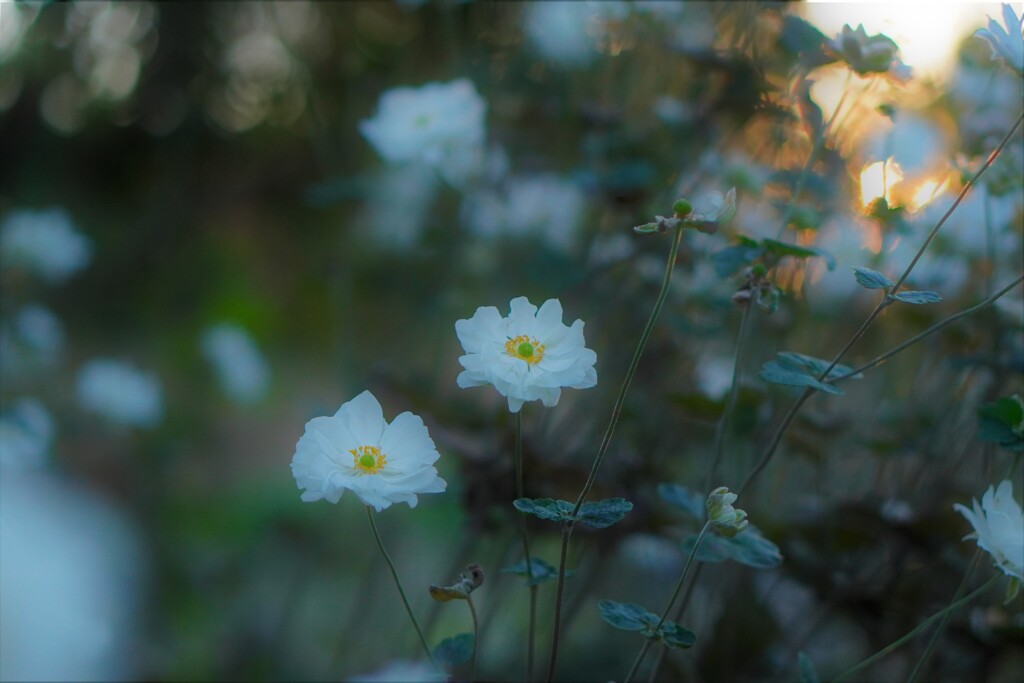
{"x":468,"y":581}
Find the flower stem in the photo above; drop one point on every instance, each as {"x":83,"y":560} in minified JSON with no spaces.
{"x":918,"y":668}
{"x":476,"y":637}
{"x":620,"y":400}
{"x":730,"y":402}
{"x":526,"y":549}
{"x":668,"y":608}
{"x":920,"y":627}
{"x":398,"y":584}
{"x":882,"y":304}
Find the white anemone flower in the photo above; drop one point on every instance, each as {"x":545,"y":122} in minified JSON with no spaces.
{"x":527,"y":356}
{"x":1007,"y":43}
{"x":433,"y":123}
{"x":999,"y":528}
{"x":357,"y":450}
{"x":120,"y":393}
{"x":44,"y":242}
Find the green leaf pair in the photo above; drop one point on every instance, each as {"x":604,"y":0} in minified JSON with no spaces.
{"x":749,"y":548}
{"x":798,"y":370}
{"x":598,"y":514}
{"x":628,"y":616}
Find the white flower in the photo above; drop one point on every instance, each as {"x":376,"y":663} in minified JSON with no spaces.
{"x":435,"y":123}
{"x":41,"y":330}
{"x":564,"y":32}
{"x":120,"y":393}
{"x":1007,"y":43}
{"x":544,"y":205}
{"x":527,"y":356}
{"x":999,"y":528}
{"x":241,"y":369}
{"x":44,"y":242}
{"x":401,"y":672}
{"x":26,"y":433}
{"x":726,"y":519}
{"x":70,"y":580}
{"x":712,"y":211}
{"x":357,"y":450}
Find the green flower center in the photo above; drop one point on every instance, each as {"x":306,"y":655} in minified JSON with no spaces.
{"x":368,"y":459}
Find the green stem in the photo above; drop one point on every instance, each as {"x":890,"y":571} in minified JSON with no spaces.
{"x":677,"y":617}
{"x":920,"y":627}
{"x":668,"y":608}
{"x":620,"y":400}
{"x":526,"y":548}
{"x":931,"y":330}
{"x":730,"y":403}
{"x":398,"y":584}
{"x":476,"y":638}
{"x":919,"y":667}
{"x":882,"y":304}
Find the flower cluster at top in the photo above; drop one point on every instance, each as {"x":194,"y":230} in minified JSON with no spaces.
{"x":1006,"y":43}
{"x":999,"y":528}
{"x":528,"y":356}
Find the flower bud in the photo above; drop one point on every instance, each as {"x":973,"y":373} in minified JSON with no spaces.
{"x":726,"y":519}
{"x":682,"y":208}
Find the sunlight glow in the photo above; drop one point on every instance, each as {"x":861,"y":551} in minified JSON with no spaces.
{"x":878,"y":179}
{"x":926,"y":192}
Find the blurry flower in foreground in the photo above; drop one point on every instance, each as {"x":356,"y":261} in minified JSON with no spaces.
{"x":70,"y":580}
{"x":563,"y":32}
{"x":527,"y":356}
{"x":241,"y":369}
{"x":1008,"y":43}
{"x":434,"y":123}
{"x":726,"y":519}
{"x":712,"y":211}
{"x":401,"y":672}
{"x":868,"y":54}
{"x":543,"y":205}
{"x":357,"y":450}
{"x":41,"y":331}
{"x":120,"y":393}
{"x":44,"y":242}
{"x":26,"y":433}
{"x":999,"y":528}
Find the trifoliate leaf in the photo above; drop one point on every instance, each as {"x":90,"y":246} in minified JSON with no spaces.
{"x":814,"y":365}
{"x":683,"y":498}
{"x":871,"y":279}
{"x":542,"y":571}
{"x":545,"y":508}
{"x":452,"y":652}
{"x":626,"y":616}
{"x":917,"y":297}
{"x":785,"y":249}
{"x":603,"y":513}
{"x":807,"y":672}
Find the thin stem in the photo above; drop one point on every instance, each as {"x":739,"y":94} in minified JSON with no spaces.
{"x":920,"y":627}
{"x":730,"y":403}
{"x":559,"y":590}
{"x":919,"y":667}
{"x":931,"y":330}
{"x":678,"y":616}
{"x":398,"y":584}
{"x":476,"y":637}
{"x":526,"y":548}
{"x":672,"y":600}
{"x":882,"y":304}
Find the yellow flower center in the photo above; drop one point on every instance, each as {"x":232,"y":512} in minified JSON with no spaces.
{"x":525,"y":348}
{"x":368,"y":459}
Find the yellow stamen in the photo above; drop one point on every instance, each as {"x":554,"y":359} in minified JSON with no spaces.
{"x":368,"y":459}
{"x":525,"y":348}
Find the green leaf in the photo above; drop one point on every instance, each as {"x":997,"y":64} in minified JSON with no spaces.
{"x":732,"y":258}
{"x":455,"y":650}
{"x":785,"y":249}
{"x":603,"y":513}
{"x":774,"y":372}
{"x":748,"y":547}
{"x":690,"y":502}
{"x":674,"y":635}
{"x":545,"y":508}
{"x":626,"y":616}
{"x":1002,"y":422}
{"x":871,"y":279}
{"x":807,"y":672}
{"x":815,"y":366}
{"x":918,"y":297}
{"x":542,"y":571}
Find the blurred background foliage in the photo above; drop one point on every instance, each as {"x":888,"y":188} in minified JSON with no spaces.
{"x":210,"y":154}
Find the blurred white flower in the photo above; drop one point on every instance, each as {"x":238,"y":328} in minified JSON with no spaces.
{"x":672,"y":110}
{"x":40,"y":330}
{"x":401,"y":672}
{"x":120,"y":393}
{"x":527,"y":356}
{"x":44,"y":242}
{"x":240,"y":367}
{"x":398,"y":204}
{"x":1006,"y":43}
{"x":868,"y":54}
{"x":357,"y":450}
{"x":564,"y":32}
{"x":70,"y":579}
{"x":542,"y":205}
{"x":999,"y":528}
{"x":437,"y":123}
{"x":714,"y":375}
{"x":26,"y":434}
